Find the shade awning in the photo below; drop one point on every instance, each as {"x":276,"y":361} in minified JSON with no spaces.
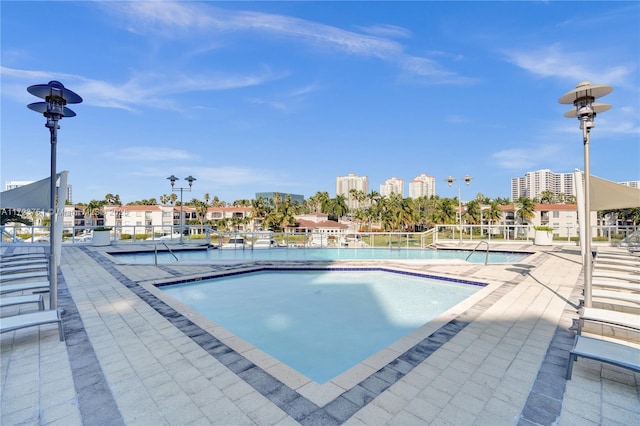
{"x":608,"y":195}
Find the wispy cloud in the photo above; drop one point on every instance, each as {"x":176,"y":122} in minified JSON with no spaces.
{"x":385,"y":30}
{"x":539,"y":156}
{"x":141,"y":89}
{"x":560,"y":62}
{"x":150,"y":154}
{"x":177,"y":19}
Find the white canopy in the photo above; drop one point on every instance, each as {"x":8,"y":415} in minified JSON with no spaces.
{"x":36,"y":196}
{"x":603,"y":195}
{"x":607,"y":195}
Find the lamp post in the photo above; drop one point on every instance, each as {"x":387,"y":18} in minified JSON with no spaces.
{"x":583,"y":98}
{"x":467,"y":180}
{"x":56,"y":96}
{"x":173,"y":180}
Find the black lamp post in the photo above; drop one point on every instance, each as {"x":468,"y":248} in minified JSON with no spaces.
{"x":56,"y":96}
{"x":467,"y":180}
{"x":173,"y":180}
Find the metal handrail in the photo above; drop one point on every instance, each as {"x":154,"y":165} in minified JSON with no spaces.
{"x":486,"y":258}
{"x":156,"y":253}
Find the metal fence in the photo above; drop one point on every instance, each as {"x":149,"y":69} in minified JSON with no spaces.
{"x":204,"y":235}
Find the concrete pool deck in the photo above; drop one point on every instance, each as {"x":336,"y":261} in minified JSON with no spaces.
{"x":133,"y":357}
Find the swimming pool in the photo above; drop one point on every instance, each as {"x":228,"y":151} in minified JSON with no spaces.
{"x":322,"y":322}
{"x":301,"y":254}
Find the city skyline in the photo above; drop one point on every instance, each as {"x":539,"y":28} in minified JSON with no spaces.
{"x":250,"y":97}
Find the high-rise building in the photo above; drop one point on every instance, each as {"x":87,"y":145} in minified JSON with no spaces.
{"x":392,"y":186}
{"x":344,"y":185}
{"x":422,"y":186}
{"x":632,"y":184}
{"x":534,"y":183}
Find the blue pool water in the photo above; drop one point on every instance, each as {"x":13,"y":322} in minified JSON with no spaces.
{"x":321,"y":254}
{"x":321,"y":323}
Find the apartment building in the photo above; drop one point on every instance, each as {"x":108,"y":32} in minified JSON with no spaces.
{"x":392,"y":186}
{"x":422,"y":186}
{"x":533,"y":184}
{"x":344,"y":185}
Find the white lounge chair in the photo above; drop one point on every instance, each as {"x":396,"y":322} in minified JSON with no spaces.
{"x":618,"y":285}
{"x":623,"y":296}
{"x":23,"y":276}
{"x":614,"y":267}
{"x":23,"y":300}
{"x":605,"y":351}
{"x":19,"y":262}
{"x":22,"y":256}
{"x":616,"y":261}
{"x":9,"y":270}
{"x":609,"y":317}
{"x":33,"y":286}
{"x":635,"y":278}
{"x":32,"y":319}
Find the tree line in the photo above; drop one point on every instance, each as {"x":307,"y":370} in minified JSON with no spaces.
{"x":388,"y":213}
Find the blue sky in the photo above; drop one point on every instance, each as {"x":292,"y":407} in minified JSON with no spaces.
{"x":284,"y":96}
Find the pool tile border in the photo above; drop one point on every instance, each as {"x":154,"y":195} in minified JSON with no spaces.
{"x":300,"y":408}
{"x":271,"y":268}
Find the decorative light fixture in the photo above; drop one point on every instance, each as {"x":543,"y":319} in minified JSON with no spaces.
{"x":56,"y":96}
{"x":583,"y":98}
{"x":467,"y":181}
{"x":173,"y":180}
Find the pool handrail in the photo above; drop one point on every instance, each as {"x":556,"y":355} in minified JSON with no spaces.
{"x":156,"y":253}
{"x":486,"y":257}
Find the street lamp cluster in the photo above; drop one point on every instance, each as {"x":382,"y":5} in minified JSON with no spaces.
{"x":173,"y":180}
{"x":56,"y":96}
{"x":583,"y":99}
{"x":467,"y":180}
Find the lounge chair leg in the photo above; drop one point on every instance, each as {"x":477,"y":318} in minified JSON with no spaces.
{"x":60,"y":326}
{"x":570,"y":366}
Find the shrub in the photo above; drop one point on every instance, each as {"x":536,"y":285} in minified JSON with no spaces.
{"x":103,"y":228}
{"x":543,"y":228}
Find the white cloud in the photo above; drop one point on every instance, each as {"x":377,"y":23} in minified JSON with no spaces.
{"x":557,"y":61}
{"x":150,"y":154}
{"x":142,"y":89}
{"x":385,"y":30}
{"x":170,"y":17}
{"x":531,"y":158}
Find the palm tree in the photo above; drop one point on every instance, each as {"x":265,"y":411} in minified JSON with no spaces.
{"x":93,"y":210}
{"x":112,"y":200}
{"x":525,"y":209}
{"x":547,"y":197}
{"x":494,"y":214}
{"x":445,"y":212}
{"x":336,"y":207}
{"x":474,"y":213}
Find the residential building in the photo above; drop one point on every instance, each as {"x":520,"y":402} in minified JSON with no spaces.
{"x":533,"y":184}
{"x":318,"y":223}
{"x":236,"y":218}
{"x":422,"y":186}
{"x":563,"y":218}
{"x":392,"y":186}
{"x":144,"y":219}
{"x":632,"y":184}
{"x":344,"y":185}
